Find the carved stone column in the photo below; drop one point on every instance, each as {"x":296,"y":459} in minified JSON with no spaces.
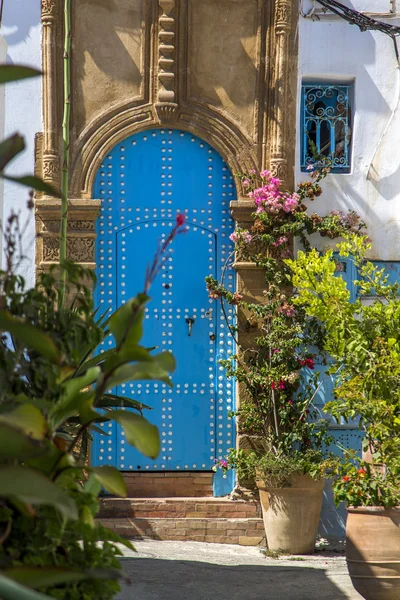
{"x":283,"y":26}
{"x":80,"y":237}
{"x":50,"y":154}
{"x":250,"y":284}
{"x":166,"y":105}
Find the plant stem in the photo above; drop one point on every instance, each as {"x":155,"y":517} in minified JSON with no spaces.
{"x":65,"y":136}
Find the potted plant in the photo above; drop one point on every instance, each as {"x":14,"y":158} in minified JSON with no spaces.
{"x":284,"y":433}
{"x":363,"y":339}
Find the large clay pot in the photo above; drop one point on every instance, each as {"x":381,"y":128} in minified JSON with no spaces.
{"x":291,"y":514}
{"x":373,"y":551}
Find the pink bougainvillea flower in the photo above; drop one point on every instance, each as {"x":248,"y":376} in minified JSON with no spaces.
{"x":233,"y":237}
{"x":246,"y":182}
{"x":307,"y":362}
{"x":281,"y":385}
{"x":288,"y":310}
{"x":247,"y":237}
{"x":282,"y":240}
{"x":273,"y":386}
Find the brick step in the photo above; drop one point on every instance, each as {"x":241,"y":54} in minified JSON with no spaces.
{"x":246,"y":532}
{"x":167,"y":508}
{"x":167,"y":484}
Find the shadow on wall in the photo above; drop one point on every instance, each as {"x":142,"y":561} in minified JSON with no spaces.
{"x":333,"y":519}
{"x":19,"y":16}
{"x":107,"y":53}
{"x":154,"y":579}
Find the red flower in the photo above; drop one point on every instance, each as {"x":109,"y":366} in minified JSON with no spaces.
{"x":180,"y":219}
{"x":273,"y":385}
{"x":346,"y":478}
{"x":281,"y":385}
{"x":307,"y":362}
{"x":362,"y":473}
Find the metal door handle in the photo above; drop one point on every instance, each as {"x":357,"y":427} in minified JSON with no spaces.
{"x":189,"y":321}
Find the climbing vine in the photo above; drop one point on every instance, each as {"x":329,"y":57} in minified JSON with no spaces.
{"x":276,"y":370}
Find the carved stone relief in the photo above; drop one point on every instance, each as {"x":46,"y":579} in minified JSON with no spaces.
{"x":166,"y":105}
{"x":81,"y":231}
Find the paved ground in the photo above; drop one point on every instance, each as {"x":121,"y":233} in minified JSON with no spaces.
{"x":198,"y":571}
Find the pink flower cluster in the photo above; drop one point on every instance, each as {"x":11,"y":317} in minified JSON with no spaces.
{"x":241,"y":235}
{"x":270,"y":199}
{"x":282,"y":240}
{"x":278,"y":386}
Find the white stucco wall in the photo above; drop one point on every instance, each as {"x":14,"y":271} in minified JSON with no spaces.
{"x":331,"y":49}
{"x":22,"y":111}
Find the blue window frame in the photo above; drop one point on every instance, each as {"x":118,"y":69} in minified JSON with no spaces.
{"x":326,"y":125}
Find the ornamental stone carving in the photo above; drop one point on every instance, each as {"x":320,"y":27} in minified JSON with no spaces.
{"x":49,"y":9}
{"x":166,"y":106}
{"x":80,"y":250}
{"x":81,"y":234}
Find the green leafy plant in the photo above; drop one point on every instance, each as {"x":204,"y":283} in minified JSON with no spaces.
{"x":362,"y":338}
{"x":276,"y":371}
{"x":53,"y":395}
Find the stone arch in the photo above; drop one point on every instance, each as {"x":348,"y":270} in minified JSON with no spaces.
{"x":225,"y":136}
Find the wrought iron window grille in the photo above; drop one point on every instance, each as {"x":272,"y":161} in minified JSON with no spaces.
{"x":326,"y":125}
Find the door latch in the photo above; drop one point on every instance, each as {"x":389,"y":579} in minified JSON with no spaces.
{"x":190,"y":322}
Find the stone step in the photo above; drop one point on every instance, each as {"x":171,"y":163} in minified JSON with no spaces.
{"x":167,"y":508}
{"x":246,"y":532}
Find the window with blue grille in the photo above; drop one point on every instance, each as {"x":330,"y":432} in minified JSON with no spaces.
{"x":326,"y":125}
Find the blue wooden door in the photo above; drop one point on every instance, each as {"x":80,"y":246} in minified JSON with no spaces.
{"x":143,"y":183}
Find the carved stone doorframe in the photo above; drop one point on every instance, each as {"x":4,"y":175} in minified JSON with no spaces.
{"x":164,"y":100}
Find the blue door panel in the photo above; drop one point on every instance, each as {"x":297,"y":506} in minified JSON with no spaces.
{"x":143,"y":183}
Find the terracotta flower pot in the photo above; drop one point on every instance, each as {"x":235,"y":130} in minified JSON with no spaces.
{"x":291,"y":514}
{"x":373,"y":551}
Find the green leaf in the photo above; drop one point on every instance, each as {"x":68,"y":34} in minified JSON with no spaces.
{"x":126,"y":323}
{"x":113,"y":401}
{"x":33,"y":487}
{"x":37,"y":577}
{"x":92,"y":486}
{"x":9,"y":148}
{"x":73,"y":398}
{"x":30,"y":336}
{"x":15,"y":445}
{"x":11,"y":590}
{"x":96,"y":360}
{"x":27,"y":418}
{"x":139,"y":432}
{"x":33,"y":182}
{"x":111,"y":479}
{"x":156,"y":369}
{"x":127,"y":354}
{"x":16,"y":72}
{"x":86,"y":516}
{"x":49,"y":576}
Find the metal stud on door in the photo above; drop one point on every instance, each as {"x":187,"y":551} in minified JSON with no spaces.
{"x":144,"y":182}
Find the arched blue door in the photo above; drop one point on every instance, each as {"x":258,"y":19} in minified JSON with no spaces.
{"x":143,"y":183}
